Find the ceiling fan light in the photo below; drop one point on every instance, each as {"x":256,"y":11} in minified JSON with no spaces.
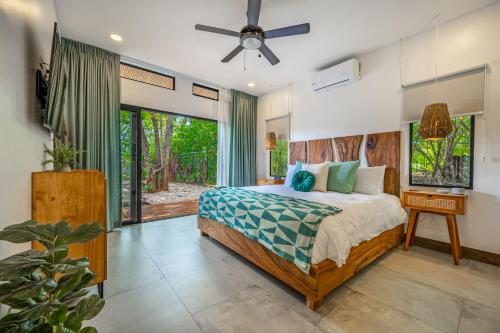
{"x":436,"y":122}
{"x":251,"y":43}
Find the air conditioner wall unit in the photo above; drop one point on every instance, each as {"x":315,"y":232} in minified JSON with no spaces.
{"x":336,"y":76}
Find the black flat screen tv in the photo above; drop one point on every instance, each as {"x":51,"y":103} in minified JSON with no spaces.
{"x":43,"y":83}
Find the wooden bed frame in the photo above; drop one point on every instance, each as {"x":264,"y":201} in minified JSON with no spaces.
{"x":380,"y":149}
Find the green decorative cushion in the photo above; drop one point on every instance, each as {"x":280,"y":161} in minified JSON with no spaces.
{"x":303,"y":181}
{"x":341,"y":176}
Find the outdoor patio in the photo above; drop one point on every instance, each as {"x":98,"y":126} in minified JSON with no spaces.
{"x":180,"y":200}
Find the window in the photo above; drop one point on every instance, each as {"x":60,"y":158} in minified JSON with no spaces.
{"x":206,"y":92}
{"x":447,"y":162}
{"x":278,"y":158}
{"x":146,"y":76}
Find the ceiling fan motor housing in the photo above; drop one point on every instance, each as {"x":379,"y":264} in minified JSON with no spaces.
{"x":252,"y":38}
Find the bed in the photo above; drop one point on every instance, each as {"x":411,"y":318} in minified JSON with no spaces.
{"x":367,"y":227}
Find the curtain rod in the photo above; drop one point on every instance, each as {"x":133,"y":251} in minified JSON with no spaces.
{"x":464,"y":71}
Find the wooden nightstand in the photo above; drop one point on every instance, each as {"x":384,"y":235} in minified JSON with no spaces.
{"x":447,"y":205}
{"x":263,"y":181}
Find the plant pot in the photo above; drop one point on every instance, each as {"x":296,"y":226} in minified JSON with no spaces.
{"x":67,"y":168}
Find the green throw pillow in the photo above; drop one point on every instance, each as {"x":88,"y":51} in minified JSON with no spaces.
{"x":341,"y":176}
{"x":303,"y":181}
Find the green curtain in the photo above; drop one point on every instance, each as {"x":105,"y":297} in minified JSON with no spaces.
{"x":85,"y":95}
{"x":242,"y":146}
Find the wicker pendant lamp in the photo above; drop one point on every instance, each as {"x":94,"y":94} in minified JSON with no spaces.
{"x":270,"y":141}
{"x":436,"y":122}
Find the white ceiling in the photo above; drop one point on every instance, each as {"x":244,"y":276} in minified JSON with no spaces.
{"x":161,"y":32}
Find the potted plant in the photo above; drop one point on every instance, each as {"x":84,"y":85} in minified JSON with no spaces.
{"x":45,"y":290}
{"x":61,"y":156}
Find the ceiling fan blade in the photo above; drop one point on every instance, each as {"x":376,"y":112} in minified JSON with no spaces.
{"x":273,"y":59}
{"x":216,"y":30}
{"x":253,"y":12}
{"x":298,"y":29}
{"x":233,"y":54}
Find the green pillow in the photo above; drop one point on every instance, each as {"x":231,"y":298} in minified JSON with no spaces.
{"x":303,"y":181}
{"x":341,"y":176}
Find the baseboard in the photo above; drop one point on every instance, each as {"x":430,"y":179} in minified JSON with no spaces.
{"x":467,"y":252}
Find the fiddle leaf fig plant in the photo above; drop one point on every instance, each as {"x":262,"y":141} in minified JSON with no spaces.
{"x":61,"y":156}
{"x":44,"y":289}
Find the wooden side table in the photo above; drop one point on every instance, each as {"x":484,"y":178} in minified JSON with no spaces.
{"x":264,"y":181}
{"x":447,"y":205}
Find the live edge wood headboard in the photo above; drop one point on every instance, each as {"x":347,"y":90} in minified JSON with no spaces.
{"x":380,"y":149}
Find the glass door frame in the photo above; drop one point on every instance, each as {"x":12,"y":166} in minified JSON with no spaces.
{"x":135,"y":164}
{"x":136,"y":157}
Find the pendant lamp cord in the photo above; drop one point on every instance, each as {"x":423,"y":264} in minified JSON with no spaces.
{"x":436,"y":62}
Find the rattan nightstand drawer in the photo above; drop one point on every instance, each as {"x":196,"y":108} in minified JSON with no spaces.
{"x":435,"y":202}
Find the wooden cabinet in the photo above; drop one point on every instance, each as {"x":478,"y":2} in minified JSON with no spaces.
{"x":263,"y":181}
{"x":76,"y":197}
{"x":447,"y":205}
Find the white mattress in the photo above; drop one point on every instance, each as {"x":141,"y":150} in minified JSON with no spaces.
{"x":363,"y":217}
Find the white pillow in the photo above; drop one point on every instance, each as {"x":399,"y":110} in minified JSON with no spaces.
{"x":320,"y":172}
{"x":370,"y":180}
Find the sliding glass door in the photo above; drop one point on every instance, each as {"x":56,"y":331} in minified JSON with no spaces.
{"x":168,"y":160}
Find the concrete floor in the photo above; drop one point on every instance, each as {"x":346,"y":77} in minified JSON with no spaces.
{"x":164,"y":277}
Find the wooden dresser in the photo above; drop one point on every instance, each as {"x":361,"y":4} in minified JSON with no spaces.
{"x":447,"y":205}
{"x":76,"y":197}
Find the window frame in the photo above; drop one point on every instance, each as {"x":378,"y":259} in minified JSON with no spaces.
{"x":471,"y":172}
{"x":150,"y":71}
{"x":205,"y":87}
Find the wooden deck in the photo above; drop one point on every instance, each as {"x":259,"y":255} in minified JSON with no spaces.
{"x":166,"y":210}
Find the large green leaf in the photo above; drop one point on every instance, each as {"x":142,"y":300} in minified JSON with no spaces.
{"x":73,"y":322}
{"x":88,"y":329}
{"x":73,"y":281}
{"x":26,"y":290}
{"x":28,"y":231}
{"x":89,"y":307}
{"x":14,"y":322}
{"x":85,"y":232}
{"x":37,"y":311}
{"x":21,"y":264}
{"x":59,"y":315}
{"x":71,"y":298}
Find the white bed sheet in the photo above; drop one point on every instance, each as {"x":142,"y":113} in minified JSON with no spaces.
{"x":363,"y":217}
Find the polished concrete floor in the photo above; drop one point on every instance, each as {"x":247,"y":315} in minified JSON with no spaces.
{"x":164,"y":277}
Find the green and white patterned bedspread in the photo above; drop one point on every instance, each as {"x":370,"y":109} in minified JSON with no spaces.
{"x":286,"y":226}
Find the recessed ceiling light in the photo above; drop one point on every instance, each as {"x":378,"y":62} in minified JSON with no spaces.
{"x":251,"y":84}
{"x":116,"y":37}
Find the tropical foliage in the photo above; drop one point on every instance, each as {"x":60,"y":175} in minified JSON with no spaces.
{"x":61,"y":156}
{"x":279,"y":158}
{"x":174,"y":148}
{"x":444,"y":162}
{"x":44,"y":290}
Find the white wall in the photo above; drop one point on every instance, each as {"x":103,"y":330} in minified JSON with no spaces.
{"x":181,"y":100}
{"x":374,"y":105}
{"x":25,"y":36}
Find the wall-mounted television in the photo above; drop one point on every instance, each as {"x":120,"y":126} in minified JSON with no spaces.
{"x":43,"y":82}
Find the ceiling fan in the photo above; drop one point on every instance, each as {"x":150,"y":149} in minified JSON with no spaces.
{"x":252,"y":37}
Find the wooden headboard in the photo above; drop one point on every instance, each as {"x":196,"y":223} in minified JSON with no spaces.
{"x":380,"y":149}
